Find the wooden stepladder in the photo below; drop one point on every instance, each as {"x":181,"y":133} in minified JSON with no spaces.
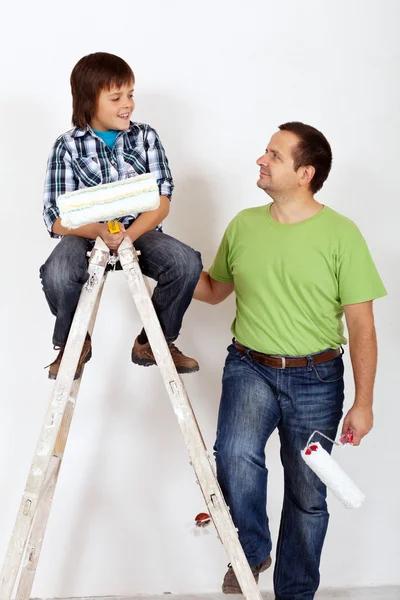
{"x":23,"y":551}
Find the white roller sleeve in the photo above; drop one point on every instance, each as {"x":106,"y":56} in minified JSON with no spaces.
{"x":109,"y":201}
{"x":332,"y":475}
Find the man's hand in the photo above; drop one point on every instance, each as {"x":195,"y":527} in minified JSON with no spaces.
{"x":360,"y":420}
{"x":112,"y":240}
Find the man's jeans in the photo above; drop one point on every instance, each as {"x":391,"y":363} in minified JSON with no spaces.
{"x":255,"y":400}
{"x":175,"y":266}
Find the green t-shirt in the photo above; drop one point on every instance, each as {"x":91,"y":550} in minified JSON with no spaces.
{"x":292,"y":281}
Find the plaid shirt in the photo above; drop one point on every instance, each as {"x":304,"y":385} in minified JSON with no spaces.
{"x":81,"y":159}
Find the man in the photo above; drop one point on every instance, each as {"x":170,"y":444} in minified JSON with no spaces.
{"x":296,"y":266}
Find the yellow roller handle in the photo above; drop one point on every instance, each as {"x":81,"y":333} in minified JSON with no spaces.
{"x":113,"y":227}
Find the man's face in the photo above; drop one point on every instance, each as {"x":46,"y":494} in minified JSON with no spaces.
{"x":114,"y":109}
{"x":277,"y":174}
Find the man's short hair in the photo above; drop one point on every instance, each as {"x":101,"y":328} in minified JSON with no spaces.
{"x":313,"y":149}
{"x":92,"y":74}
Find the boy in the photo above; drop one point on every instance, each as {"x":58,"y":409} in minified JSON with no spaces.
{"x":105,"y":146}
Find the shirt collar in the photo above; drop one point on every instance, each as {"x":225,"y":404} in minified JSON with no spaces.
{"x":77,"y":132}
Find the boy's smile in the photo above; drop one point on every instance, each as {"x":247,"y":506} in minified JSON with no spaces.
{"x":114,"y":108}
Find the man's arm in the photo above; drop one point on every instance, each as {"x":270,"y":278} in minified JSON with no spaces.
{"x":363,"y":354}
{"x":210,"y":290}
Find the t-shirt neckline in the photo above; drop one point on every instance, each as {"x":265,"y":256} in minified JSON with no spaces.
{"x":292,"y":225}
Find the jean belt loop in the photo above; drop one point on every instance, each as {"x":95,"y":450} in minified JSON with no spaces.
{"x":248,"y":353}
{"x":341,"y":350}
{"x":310,"y":362}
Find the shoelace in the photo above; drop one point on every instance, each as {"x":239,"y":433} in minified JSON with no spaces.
{"x":57,"y":348}
{"x":173,"y":349}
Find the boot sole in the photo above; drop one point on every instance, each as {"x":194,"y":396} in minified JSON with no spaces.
{"x":143,"y":362}
{"x":146,"y":362}
{"x":188,"y":369}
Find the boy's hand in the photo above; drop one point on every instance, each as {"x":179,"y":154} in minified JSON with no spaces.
{"x":112,"y":240}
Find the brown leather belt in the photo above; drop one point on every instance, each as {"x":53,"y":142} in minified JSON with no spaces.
{"x":284,"y":362}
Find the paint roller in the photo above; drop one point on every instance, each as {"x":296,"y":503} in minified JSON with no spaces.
{"x":108,"y":202}
{"x":329,"y":471}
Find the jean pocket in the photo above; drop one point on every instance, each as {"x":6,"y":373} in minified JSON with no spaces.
{"x":87,"y":170}
{"x":330,"y":371}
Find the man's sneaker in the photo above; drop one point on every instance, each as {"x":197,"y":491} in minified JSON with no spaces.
{"x":231,"y":584}
{"x":85,"y":356}
{"x":142,"y":354}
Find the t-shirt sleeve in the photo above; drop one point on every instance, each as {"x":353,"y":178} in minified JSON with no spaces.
{"x":358,"y":278}
{"x":221,"y":269}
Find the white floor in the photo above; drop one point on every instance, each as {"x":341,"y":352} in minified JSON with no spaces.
{"x":372,"y":593}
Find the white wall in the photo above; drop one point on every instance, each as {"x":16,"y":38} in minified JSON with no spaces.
{"x":215,"y":79}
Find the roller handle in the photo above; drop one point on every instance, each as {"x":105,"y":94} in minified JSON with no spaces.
{"x":113,"y":227}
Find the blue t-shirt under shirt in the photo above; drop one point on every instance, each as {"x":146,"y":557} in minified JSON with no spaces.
{"x":108,"y":137}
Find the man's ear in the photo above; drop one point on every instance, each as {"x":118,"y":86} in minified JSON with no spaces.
{"x":306,"y":174}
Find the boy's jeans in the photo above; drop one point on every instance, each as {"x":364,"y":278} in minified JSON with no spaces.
{"x":175,"y":266}
{"x":255,"y":400}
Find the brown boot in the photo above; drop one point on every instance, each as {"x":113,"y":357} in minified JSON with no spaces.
{"x":142,"y":354}
{"x":231,"y":584}
{"x":85,"y":356}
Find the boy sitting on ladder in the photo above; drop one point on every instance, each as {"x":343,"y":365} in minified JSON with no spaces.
{"x":105,"y":146}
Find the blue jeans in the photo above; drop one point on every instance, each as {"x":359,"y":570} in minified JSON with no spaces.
{"x":257,"y":399}
{"x":175,"y":266}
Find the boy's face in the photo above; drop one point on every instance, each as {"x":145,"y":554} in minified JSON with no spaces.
{"x":114,"y":108}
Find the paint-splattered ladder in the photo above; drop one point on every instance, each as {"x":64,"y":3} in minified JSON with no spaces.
{"x":27,"y":537}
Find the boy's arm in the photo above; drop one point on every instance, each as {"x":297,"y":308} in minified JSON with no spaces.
{"x":60,"y":179}
{"x":157,"y":162}
{"x":210,"y":290}
{"x":149,"y":220}
{"x":91,"y":232}
{"x":157,"y":165}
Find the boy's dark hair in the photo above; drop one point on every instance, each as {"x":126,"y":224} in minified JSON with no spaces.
{"x":313,"y":149}
{"x":92,"y":74}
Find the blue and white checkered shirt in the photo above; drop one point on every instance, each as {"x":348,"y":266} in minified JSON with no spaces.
{"x":80,"y":158}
